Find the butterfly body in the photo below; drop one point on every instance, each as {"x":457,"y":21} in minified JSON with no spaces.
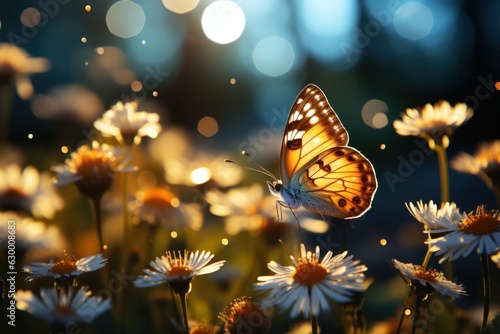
{"x":319,"y":171}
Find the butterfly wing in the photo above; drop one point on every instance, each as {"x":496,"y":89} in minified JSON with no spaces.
{"x":339,"y":182}
{"x":312,"y":128}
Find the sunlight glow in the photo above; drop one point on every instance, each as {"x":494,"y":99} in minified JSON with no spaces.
{"x":201,"y":175}
{"x":223,"y":21}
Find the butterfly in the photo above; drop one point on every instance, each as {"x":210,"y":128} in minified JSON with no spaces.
{"x":318,"y":170}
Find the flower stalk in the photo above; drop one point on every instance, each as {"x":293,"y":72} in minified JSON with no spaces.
{"x":486,"y":290}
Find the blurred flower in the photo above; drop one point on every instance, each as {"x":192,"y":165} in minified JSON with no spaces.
{"x":302,"y":328}
{"x":158,"y":205}
{"x":309,"y":282}
{"x":245,"y":315}
{"x":478,"y":231}
{"x":17,"y":65}
{"x":426,"y":281}
{"x":28,"y":191}
{"x":246,"y":208}
{"x":496,"y":259}
{"x":433,"y":123}
{"x":428,"y":213}
{"x":184,"y":165}
{"x":92,"y":169}
{"x":128,"y":125}
{"x":31,"y":235}
{"x":62,"y":307}
{"x":66,"y":268}
{"x":202,"y":328}
{"x":178,"y":269}
{"x":72,"y":102}
{"x":485,"y":163}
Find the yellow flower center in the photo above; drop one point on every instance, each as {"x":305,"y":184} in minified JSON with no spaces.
{"x":202,"y":329}
{"x":160,"y":198}
{"x":14,"y":193}
{"x":309,"y":272}
{"x":480,"y":223}
{"x":179,"y":271}
{"x":426,"y":275}
{"x":64,"y":310}
{"x":65,"y":266}
{"x":94,"y":163}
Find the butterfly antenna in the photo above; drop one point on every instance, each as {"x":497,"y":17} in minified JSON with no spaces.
{"x":262,"y":170}
{"x":286,"y":250}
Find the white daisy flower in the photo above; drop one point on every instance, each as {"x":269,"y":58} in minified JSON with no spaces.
{"x":66,"y":268}
{"x":428,"y":280}
{"x":17,"y":65}
{"x":178,"y":268}
{"x":33,"y":237}
{"x":479,"y":231}
{"x":248,"y":208}
{"x":158,"y":205}
{"x":58,"y":307}
{"x":431,"y":217}
{"x":485,"y":163}
{"x":28,"y":190}
{"x":128,"y":125}
{"x":92,"y":169}
{"x":309,"y":282}
{"x":434,"y":123}
{"x":74,"y":103}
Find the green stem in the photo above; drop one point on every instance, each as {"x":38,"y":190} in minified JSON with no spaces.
{"x":125,"y":235}
{"x":314,"y":319}
{"x":486,"y":288}
{"x":427,"y":258}
{"x":417,"y":313}
{"x":123,"y":257}
{"x":183,"y":297}
{"x":6,"y":95}
{"x":445,"y":193}
{"x":443,"y":173}
{"x":95,"y":204}
{"x":403,"y":312}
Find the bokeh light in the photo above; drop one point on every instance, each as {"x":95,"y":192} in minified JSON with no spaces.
{"x":30,"y":17}
{"x":413,"y":21}
{"x":88,"y":8}
{"x":180,"y":6}
{"x":136,"y":86}
{"x":374,"y":113}
{"x":325,"y":26}
{"x":125,"y":19}
{"x":273,"y":56}
{"x":223,"y":21}
{"x":201,"y":175}
{"x":207,"y":126}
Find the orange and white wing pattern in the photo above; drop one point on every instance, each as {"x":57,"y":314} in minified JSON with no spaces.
{"x":339,"y":182}
{"x":312,"y":128}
